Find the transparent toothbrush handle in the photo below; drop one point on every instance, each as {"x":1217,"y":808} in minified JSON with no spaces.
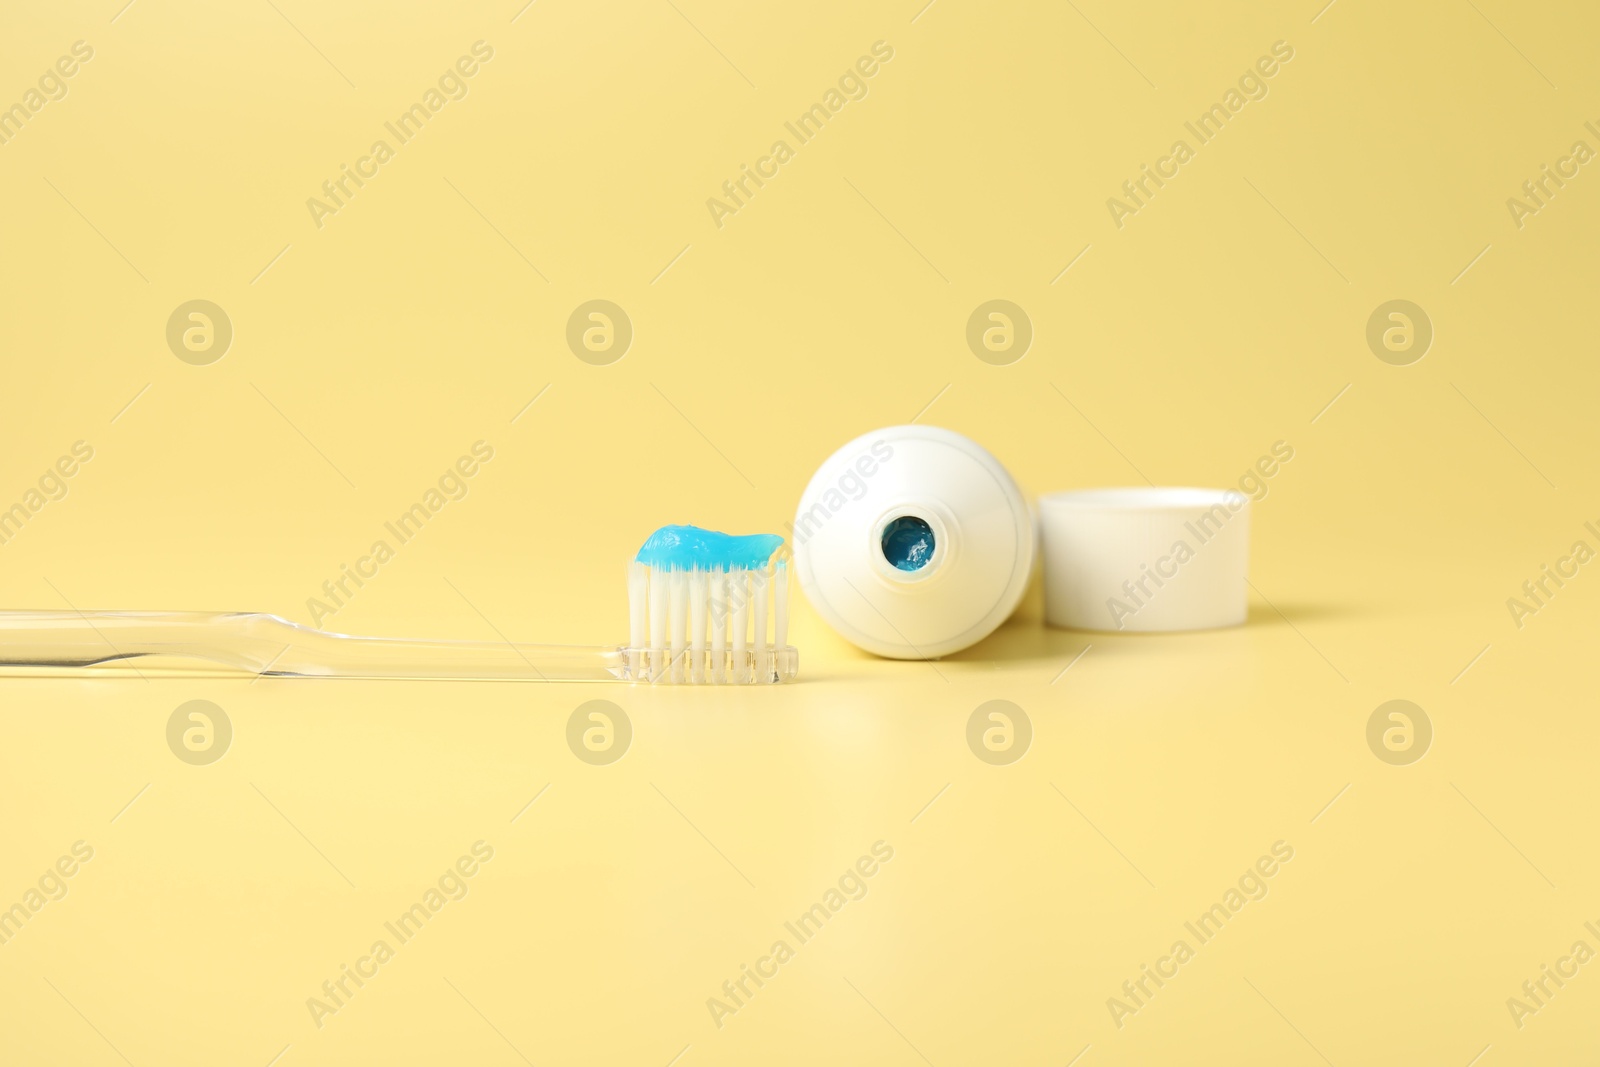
{"x":67,"y":642}
{"x":183,"y":641}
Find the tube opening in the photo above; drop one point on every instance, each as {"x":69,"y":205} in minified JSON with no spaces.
{"x":907,"y":543}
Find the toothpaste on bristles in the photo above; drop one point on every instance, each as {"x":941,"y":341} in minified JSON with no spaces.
{"x":709,"y":608}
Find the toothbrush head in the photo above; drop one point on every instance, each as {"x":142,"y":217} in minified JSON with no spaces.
{"x":698,"y":609}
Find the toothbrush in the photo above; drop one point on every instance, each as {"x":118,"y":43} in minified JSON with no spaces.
{"x":698,"y":607}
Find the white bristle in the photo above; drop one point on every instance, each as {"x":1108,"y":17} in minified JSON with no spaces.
{"x":719,"y":624}
{"x":745,"y":610}
{"x":780,"y":604}
{"x":739,"y":596}
{"x":679,"y":621}
{"x":698,"y":596}
{"x":758,"y":619}
{"x":658,"y":622}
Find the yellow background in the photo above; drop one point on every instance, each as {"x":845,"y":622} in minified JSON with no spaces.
{"x":429,"y":311}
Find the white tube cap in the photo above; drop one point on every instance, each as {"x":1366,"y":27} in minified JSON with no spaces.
{"x":1145,"y":560}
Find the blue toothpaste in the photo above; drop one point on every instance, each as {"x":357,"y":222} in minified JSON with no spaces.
{"x":691,"y":548}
